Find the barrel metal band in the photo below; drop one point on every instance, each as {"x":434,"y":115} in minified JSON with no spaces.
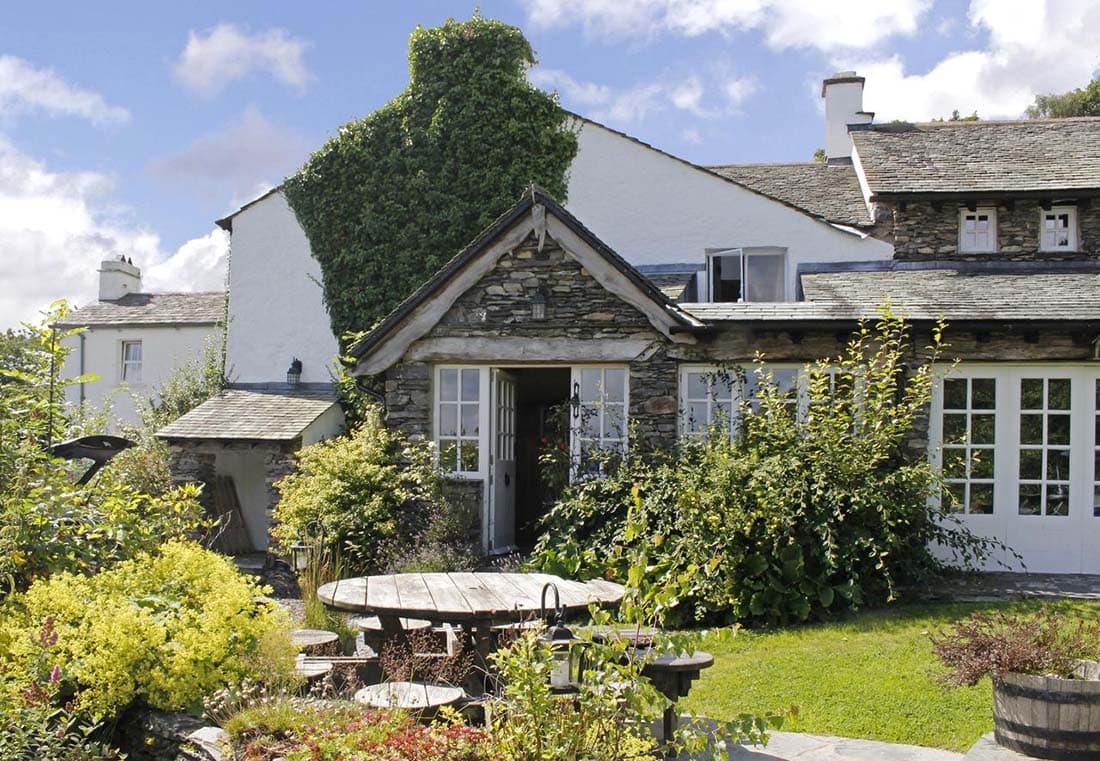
{"x":1050,"y":696}
{"x":1050,"y":733}
{"x":1039,"y":751}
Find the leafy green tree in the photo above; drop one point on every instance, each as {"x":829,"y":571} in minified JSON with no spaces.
{"x":955,"y":117}
{"x":17,"y":349}
{"x":396,"y":194}
{"x":1079,"y":102}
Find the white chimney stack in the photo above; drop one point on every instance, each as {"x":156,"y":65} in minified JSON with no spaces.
{"x":843,"y":94}
{"x":117,"y":277}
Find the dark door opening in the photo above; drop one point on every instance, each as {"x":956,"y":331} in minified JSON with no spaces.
{"x":542,"y":397}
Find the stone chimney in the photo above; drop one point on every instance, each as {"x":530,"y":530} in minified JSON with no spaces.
{"x":843,"y":94}
{"x":117,"y":277}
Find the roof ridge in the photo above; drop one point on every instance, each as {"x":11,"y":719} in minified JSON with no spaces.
{"x":973,"y":124}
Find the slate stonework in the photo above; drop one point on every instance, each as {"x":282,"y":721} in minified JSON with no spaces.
{"x":923,"y":232}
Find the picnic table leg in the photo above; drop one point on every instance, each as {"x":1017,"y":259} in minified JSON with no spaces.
{"x":483,"y":641}
{"x":392,"y":631}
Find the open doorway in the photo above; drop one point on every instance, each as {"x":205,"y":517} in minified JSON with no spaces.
{"x":541,"y":399}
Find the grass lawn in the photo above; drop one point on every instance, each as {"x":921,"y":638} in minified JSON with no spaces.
{"x":868,"y":676}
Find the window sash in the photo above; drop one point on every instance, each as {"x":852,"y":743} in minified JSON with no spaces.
{"x":600,"y":417}
{"x":131,"y":361}
{"x":711,"y":396}
{"x":978,"y":230}
{"x":760,"y":275}
{"x":1058,"y":229}
{"x":458,"y":420}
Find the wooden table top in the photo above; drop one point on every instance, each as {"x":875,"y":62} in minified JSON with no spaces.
{"x":463,"y":597}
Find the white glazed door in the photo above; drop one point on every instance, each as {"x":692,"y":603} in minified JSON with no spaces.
{"x":502,"y":504}
{"x":598,"y":424}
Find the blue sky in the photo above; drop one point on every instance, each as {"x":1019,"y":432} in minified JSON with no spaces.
{"x":129,"y":127}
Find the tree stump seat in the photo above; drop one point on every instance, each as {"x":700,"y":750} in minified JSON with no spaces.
{"x":315,"y":641}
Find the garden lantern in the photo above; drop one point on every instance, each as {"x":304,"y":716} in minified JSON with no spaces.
{"x":309,"y":547}
{"x":566,"y":669}
{"x":294,"y":372}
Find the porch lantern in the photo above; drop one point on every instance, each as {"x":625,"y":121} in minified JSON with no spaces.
{"x":309,"y":548}
{"x":294,"y":372}
{"x":565,"y":672}
{"x":538,"y":299}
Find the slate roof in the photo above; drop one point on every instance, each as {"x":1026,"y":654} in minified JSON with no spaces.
{"x":967,"y":157}
{"x":671,"y":284}
{"x":829,"y":191}
{"x":139,"y":309}
{"x":239,"y":414}
{"x":957,"y":295}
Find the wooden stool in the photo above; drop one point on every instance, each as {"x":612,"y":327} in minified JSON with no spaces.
{"x":311,"y":670}
{"x":315,"y":641}
{"x":373,"y":634}
{"x":411,"y":696}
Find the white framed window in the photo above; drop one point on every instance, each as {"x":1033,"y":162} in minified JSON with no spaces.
{"x":599,"y":411}
{"x":1058,"y":229}
{"x":978,"y":230}
{"x":131,"y":362}
{"x":746,"y":274}
{"x":969,"y":425}
{"x":711,"y":396}
{"x":1045,"y":443}
{"x":458,"y":419}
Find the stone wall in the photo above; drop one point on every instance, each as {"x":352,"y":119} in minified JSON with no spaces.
{"x":924,"y":231}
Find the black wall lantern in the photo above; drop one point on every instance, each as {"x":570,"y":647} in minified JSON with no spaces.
{"x":538,"y":299}
{"x":566,"y":671}
{"x":294,"y":372}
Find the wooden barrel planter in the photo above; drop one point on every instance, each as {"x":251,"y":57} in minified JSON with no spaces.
{"x":1049,"y":717}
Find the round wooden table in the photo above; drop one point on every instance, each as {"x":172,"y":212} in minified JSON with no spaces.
{"x":477,"y":601}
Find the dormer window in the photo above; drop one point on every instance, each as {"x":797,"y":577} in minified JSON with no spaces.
{"x":1058,"y":229}
{"x":746,"y":274}
{"x":978,"y":230}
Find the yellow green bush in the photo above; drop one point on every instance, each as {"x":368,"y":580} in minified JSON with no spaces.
{"x":162,"y":630}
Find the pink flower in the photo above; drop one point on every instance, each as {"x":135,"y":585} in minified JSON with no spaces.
{"x":55,"y":675}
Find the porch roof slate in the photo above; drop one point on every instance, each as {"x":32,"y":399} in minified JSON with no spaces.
{"x":247,"y":415}
{"x":954,"y":294}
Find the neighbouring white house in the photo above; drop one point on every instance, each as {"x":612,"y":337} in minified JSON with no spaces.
{"x":134,"y":341}
{"x":655,"y":271}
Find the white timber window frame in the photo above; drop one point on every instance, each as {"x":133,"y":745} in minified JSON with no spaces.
{"x":460,"y":420}
{"x":978,"y":230}
{"x":600,"y":409}
{"x":761,"y":274}
{"x":968,"y":419}
{"x":130,"y":364}
{"x":711,"y":395}
{"x":1058,"y":229}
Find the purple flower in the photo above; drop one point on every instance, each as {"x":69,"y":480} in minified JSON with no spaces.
{"x":55,"y":675}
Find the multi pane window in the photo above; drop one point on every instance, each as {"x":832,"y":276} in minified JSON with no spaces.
{"x":131,"y":361}
{"x":1058,"y":229}
{"x":740,"y":275}
{"x":1044,"y":446}
{"x":459,"y":419}
{"x":978,"y":230}
{"x":599,"y":415}
{"x":506,"y":419}
{"x":712,"y":397}
{"x":969,"y":432}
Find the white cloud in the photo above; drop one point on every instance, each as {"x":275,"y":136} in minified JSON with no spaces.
{"x":55,"y":228}
{"x":24,"y":88}
{"x":214,"y":58}
{"x":236,"y":163}
{"x":858,"y":24}
{"x":630,"y":105}
{"x":1034,"y":47}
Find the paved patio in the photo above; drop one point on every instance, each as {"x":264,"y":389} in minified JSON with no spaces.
{"x":991,"y":587}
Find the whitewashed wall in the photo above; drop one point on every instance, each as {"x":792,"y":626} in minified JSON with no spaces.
{"x":654,"y":209}
{"x":163,"y":350}
{"x":276,"y":311}
{"x":250,"y":479}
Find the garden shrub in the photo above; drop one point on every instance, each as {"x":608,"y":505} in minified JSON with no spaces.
{"x":375,"y":496}
{"x":162,"y":630}
{"x":47,"y":523}
{"x":427,"y":172}
{"x":798,"y":515}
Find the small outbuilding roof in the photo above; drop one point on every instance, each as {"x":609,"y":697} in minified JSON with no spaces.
{"x":149,"y":309}
{"x":1030,"y":156}
{"x":247,"y":415}
{"x":829,"y":191}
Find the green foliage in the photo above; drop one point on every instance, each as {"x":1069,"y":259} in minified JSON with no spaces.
{"x":801,"y":515}
{"x":17,"y":350}
{"x":48,"y":524}
{"x":396,"y":194}
{"x":374,"y":494}
{"x":955,"y":117}
{"x":819,"y":156}
{"x":190,"y":385}
{"x":163,"y":630}
{"x":1079,"y":102}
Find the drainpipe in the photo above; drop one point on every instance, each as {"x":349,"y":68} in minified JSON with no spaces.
{"x":82,"y":337}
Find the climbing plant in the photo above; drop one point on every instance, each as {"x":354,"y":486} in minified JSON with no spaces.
{"x":388,"y":200}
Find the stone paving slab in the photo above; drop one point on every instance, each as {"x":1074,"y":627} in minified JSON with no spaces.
{"x":994,"y":587}
{"x":986,"y":749}
{"x":791,"y":746}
